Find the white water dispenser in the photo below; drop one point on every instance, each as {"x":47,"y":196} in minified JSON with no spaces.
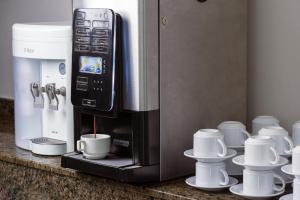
{"x":42,"y":77}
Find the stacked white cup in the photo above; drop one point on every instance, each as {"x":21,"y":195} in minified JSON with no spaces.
{"x":210,"y":151}
{"x":260,"y":122}
{"x":296,"y":172}
{"x":260,"y":158}
{"x":210,"y":143}
{"x":235,"y":134}
{"x":283,"y":144}
{"x":293,"y":169}
{"x":296,"y":133}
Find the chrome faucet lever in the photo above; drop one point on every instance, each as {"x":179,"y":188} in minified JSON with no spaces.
{"x":52,"y":97}
{"x":52,"y":93}
{"x":37,"y":94}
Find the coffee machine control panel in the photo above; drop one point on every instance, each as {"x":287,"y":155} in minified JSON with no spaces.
{"x":94,"y":58}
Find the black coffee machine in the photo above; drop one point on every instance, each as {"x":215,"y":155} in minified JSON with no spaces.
{"x":139,"y":78}
{"x":97,"y":95}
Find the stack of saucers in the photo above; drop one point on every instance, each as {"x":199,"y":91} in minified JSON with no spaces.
{"x":293,"y":170}
{"x":210,"y":152}
{"x":260,"y":159}
{"x":235,"y":134}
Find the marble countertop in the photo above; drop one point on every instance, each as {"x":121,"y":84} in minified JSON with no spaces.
{"x":175,"y":189}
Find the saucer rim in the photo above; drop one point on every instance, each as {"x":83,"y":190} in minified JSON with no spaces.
{"x":234,"y":153}
{"x":291,"y":172}
{"x":284,"y":162}
{"x":253,"y":196}
{"x":93,"y":156}
{"x":234,"y":182}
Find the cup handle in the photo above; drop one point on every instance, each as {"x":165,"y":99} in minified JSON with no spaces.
{"x":276,"y":188}
{"x":290,"y":143}
{"x":80,"y":145}
{"x":276,"y":155}
{"x":247,"y":135}
{"x":224,"y":148}
{"x":226,"y":177}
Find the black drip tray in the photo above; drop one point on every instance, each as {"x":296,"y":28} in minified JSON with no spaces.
{"x":110,"y":161}
{"x":113,"y":167}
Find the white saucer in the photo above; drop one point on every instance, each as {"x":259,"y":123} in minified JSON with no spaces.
{"x":230,"y":153}
{"x":289,"y":170}
{"x":238,"y":190}
{"x":287,"y":197}
{"x":239,"y":160}
{"x":94,"y":157}
{"x":192,"y":182}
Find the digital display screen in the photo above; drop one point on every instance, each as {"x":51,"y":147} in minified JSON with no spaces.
{"x":90,"y":65}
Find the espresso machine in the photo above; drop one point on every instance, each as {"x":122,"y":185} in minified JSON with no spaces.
{"x":42,"y":76}
{"x":150,"y":74}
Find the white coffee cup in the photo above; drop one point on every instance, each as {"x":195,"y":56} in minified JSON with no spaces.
{"x":209,"y":143}
{"x":296,"y":160}
{"x":234,"y":133}
{"x":259,"y":150}
{"x":283,"y":143}
{"x":296,"y":133}
{"x":94,"y":148}
{"x":211,"y":174}
{"x":261,"y":182}
{"x":263,"y":121}
{"x":296,"y":189}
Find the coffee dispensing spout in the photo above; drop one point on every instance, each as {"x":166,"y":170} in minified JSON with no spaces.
{"x":52,"y":93}
{"x":37,"y":94}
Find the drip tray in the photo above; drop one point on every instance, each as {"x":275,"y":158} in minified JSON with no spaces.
{"x":48,"y":146}
{"x":113,"y":167}
{"x":110,"y":161}
{"x":47,"y":141}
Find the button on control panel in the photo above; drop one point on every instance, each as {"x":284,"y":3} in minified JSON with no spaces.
{"x":92,"y":32}
{"x":89,"y":102}
{"x":98,"y":85}
{"x":82,"y":83}
{"x":82,"y":23}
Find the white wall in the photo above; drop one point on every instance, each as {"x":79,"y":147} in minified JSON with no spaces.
{"x":13,"y":11}
{"x":274,"y":59}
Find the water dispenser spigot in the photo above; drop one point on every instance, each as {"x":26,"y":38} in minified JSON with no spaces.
{"x":52,"y":97}
{"x":52,"y":93}
{"x":37,"y":94}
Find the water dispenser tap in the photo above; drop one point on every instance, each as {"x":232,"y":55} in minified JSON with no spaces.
{"x":52,"y":93}
{"x":37,"y":94}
